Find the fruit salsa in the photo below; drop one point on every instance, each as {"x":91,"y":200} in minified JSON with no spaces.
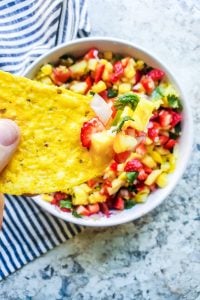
{"x":136,"y":128}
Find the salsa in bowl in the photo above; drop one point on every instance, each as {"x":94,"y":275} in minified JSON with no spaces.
{"x":139,"y":128}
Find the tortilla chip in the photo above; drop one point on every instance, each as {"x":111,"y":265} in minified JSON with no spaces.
{"x":50,"y":156}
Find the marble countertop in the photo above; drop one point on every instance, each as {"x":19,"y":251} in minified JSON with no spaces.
{"x":158,"y":256}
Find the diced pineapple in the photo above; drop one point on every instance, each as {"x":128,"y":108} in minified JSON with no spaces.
{"x":152,"y":177}
{"x":116,"y":185}
{"x":47,"y":69}
{"x":124,"y":88}
{"x":99,"y":87}
{"x":141,"y":196}
{"x":79,"y":68}
{"x":96,"y":197}
{"x":127,"y":111}
{"x":108,"y":55}
{"x":142,"y":114}
{"x":102,"y":143}
{"x":79,"y":87}
{"x":81,"y":194}
{"x":92,"y":63}
{"x":162,"y":150}
{"x":124,"y":142}
{"x":109,"y":67}
{"x":162,"y":180}
{"x":148,"y":161}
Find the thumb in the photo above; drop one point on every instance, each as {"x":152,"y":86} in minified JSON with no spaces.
{"x":9,"y":139}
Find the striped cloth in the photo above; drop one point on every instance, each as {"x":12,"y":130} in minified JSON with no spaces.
{"x":28,"y":28}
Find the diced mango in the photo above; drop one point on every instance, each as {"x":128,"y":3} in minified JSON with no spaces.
{"x":99,"y":87}
{"x":148,"y":161}
{"x":116,"y":185}
{"x":139,"y":64}
{"x":156,"y":157}
{"x":129,"y":71}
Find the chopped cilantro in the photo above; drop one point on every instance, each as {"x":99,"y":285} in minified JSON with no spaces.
{"x":129,"y":204}
{"x":112,"y":93}
{"x":146,"y":69}
{"x":174,"y":102}
{"x":121,"y":124}
{"x":92,"y":93}
{"x":75,"y":214}
{"x":177,"y":128}
{"x":66,"y":204}
{"x":132,"y":188}
{"x":131,"y":176}
{"x":127,"y":100}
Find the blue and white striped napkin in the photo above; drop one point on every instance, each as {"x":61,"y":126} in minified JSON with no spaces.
{"x":28,"y":28}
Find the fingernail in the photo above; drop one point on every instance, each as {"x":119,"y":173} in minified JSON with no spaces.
{"x":9,"y":132}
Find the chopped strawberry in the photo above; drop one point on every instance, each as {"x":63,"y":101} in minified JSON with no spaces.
{"x":104,"y":95}
{"x":142,"y":175}
{"x":122,"y":157}
{"x":60,"y":75}
{"x":147,"y":170}
{"x":163,"y":139}
{"x":65,"y":209}
{"x":92,"y":53}
{"x":88,"y":81}
{"x":91,"y":183}
{"x":59,"y":196}
{"x":148,"y":84}
{"x":82,"y":210}
{"x":98,"y":73}
{"x":165,"y":118}
{"x":141,"y":149}
{"x":138,"y":76}
{"x":156,"y":74}
{"x":176,"y":118}
{"x":153,"y":130}
{"x":89,"y":128}
{"x":118,"y":203}
{"x":113,"y":166}
{"x":170,"y":144}
{"x":93,"y":208}
{"x":104,"y":208}
{"x":133,"y":165}
{"x":118,"y":71}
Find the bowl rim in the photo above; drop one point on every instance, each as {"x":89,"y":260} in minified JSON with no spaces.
{"x":178,"y":172}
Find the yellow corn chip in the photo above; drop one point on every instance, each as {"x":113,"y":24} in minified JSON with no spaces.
{"x":50,"y":156}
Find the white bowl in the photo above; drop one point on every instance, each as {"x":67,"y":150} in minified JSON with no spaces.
{"x":79,"y":47}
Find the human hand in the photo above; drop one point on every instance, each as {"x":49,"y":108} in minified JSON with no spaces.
{"x":9,"y":139}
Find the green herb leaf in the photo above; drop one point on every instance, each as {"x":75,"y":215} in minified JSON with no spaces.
{"x":146,"y":69}
{"x":177,"y":128}
{"x":129,"y":204}
{"x":132,"y":188}
{"x":174,"y":102}
{"x":75,"y":214}
{"x":157,"y":94}
{"x":119,"y":127}
{"x":127,"y":100}
{"x":66,"y":204}
{"x":131,"y":176}
{"x":112,"y":93}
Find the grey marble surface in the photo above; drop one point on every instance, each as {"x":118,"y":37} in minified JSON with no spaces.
{"x":158,"y":256}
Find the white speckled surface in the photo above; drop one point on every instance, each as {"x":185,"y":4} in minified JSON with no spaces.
{"x":158,"y":256}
